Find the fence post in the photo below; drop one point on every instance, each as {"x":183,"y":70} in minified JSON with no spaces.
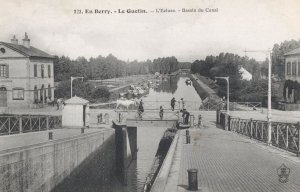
{"x":298,"y":127}
{"x":30,"y":123}
{"x":229,"y":123}
{"x":9,"y":129}
{"x":277,"y":137}
{"x":251,"y":128}
{"x":20,"y":125}
{"x":287,"y":136}
{"x":256,"y":124}
{"x":39,"y":123}
{"x":262,"y":131}
{"x":239,"y":127}
{"x":47,"y":122}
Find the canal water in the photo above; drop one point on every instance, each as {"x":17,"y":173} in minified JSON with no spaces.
{"x":147,"y":139}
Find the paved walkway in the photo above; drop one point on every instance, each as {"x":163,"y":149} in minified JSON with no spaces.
{"x":230,"y":162}
{"x":10,"y":142}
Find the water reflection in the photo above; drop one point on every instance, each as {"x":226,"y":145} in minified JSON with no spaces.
{"x":168,"y":84}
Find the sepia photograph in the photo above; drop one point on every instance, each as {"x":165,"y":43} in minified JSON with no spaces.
{"x":149,"y":96}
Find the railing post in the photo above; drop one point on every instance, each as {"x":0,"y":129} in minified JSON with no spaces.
{"x":287,"y":136}
{"x":251,"y":128}
{"x":239,"y":125}
{"x":20,"y":125}
{"x":298,"y":129}
{"x":30,"y":123}
{"x":9,"y":129}
{"x":277,"y":136}
{"x":229,"y":123}
{"x":262,"y":131}
{"x":256,"y":124}
{"x":47,"y":122}
{"x":39,"y":123}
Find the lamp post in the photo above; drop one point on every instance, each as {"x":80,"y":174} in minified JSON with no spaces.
{"x":73,"y":78}
{"x":269,"y":114}
{"x":227,"y":80}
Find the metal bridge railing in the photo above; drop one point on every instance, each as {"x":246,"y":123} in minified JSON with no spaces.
{"x":28,"y":123}
{"x":283,"y":134}
{"x":152,"y":115}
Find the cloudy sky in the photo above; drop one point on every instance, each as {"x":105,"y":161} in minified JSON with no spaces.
{"x":238,"y":25}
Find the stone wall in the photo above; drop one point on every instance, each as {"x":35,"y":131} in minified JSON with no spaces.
{"x":42,"y":167}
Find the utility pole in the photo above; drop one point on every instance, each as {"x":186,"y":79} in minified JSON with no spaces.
{"x":227,"y":80}
{"x":73,"y":78}
{"x":269,"y":115}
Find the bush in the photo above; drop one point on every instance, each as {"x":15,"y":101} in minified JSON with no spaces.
{"x":82,"y":89}
{"x":100,"y":94}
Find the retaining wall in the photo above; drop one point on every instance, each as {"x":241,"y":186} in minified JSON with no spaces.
{"x":43,"y":166}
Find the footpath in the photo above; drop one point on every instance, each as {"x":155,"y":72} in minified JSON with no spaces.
{"x":227,"y":162}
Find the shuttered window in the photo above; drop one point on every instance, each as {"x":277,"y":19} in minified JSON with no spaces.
{"x":49,"y":92}
{"x":288,"y":68}
{"x":42,"y":71}
{"x":35,"y":70}
{"x":49,"y":71}
{"x":294,"y":65}
{"x":4,"y":70}
{"x":18,"y":93}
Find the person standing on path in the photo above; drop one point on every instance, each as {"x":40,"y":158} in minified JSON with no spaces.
{"x":186,"y":116}
{"x":161,"y":112}
{"x":173,"y":101}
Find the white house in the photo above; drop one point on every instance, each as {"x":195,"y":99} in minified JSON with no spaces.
{"x":26,"y":74}
{"x":245,"y":74}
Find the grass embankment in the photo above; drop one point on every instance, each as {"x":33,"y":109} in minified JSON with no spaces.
{"x":205,"y":88}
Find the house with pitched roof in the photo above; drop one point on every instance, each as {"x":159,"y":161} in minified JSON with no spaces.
{"x":26,"y":75}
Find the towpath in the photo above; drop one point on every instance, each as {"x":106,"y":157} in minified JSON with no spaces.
{"x":229,"y":162}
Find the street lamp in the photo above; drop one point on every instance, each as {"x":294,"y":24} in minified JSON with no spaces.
{"x":73,"y":78}
{"x":269,"y":114}
{"x":227,"y":80}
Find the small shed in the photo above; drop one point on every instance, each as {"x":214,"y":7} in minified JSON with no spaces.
{"x":74,"y":112}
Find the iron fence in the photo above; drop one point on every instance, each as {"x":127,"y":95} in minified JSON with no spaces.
{"x":283,"y":134}
{"x":28,"y":123}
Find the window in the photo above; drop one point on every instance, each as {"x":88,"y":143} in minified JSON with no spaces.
{"x":49,"y":71}
{"x":4,"y":70}
{"x":42,"y":71}
{"x":49,"y":92}
{"x":294,"y":65}
{"x":36,"y":94}
{"x":41,"y":93}
{"x":18,"y":93}
{"x":35,"y":70}
{"x":288,"y":68}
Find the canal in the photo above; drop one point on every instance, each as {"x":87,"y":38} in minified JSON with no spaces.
{"x":147,"y":140}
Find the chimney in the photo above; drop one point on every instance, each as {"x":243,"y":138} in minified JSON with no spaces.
{"x":14,"y":40}
{"x":26,"y":41}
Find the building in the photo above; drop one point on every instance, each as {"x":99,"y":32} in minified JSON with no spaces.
{"x":26,"y":75}
{"x":291,"y":90}
{"x":245,"y":74}
{"x":292,"y":65}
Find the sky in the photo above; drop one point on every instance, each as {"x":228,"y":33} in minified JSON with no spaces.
{"x":53,"y":27}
